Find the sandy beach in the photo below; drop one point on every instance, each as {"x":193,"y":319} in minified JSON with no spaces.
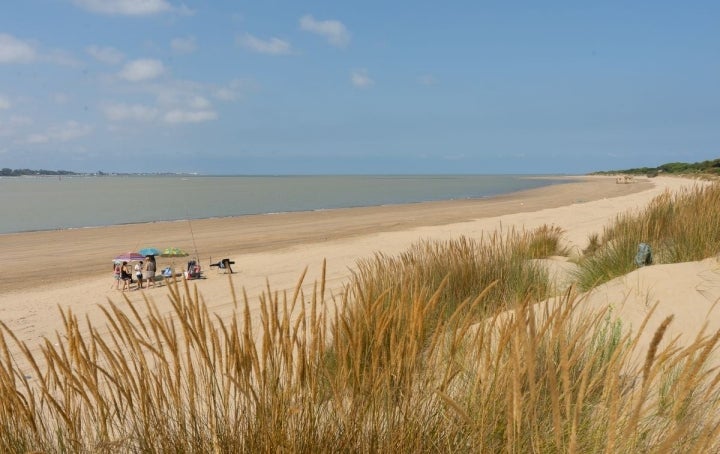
{"x":72,"y":268}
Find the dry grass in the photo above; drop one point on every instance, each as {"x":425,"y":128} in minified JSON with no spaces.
{"x":442,"y":349}
{"x":679,"y":227}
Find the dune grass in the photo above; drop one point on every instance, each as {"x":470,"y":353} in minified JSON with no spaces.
{"x":679,"y":227}
{"x":441,"y":349}
{"x":469,"y":266}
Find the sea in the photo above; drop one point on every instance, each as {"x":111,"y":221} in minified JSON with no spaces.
{"x":32,"y":203}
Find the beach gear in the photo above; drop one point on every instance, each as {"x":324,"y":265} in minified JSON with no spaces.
{"x":644,"y":255}
{"x":193,"y":270}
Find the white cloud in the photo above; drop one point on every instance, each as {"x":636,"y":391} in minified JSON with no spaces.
{"x":108,"y":55}
{"x":134,"y":112}
{"x":66,"y":132}
{"x":13,"y":50}
{"x":174,"y":92}
{"x":227,"y":94}
{"x":12,"y":126}
{"x":273,"y":46}
{"x":143,"y":69}
{"x":186,"y":116}
{"x":199,"y":102}
{"x":176,"y":102}
{"x":4,"y":102}
{"x":334,"y":31}
{"x":126,"y":7}
{"x":71,"y":130}
{"x":234,"y":90}
{"x":360,"y":79}
{"x":184,"y":45}
{"x":36,"y":139}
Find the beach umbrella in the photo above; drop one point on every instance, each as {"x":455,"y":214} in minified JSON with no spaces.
{"x":174,"y":252}
{"x":129,"y":257}
{"x":149,"y":251}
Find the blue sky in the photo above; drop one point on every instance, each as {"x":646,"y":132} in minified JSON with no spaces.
{"x":286,"y":87}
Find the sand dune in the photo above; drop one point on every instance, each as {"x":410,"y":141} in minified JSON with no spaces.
{"x":690,"y":292}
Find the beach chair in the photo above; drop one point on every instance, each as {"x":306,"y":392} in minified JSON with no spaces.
{"x":167,"y":272}
{"x":193,"y":270}
{"x":225,"y":265}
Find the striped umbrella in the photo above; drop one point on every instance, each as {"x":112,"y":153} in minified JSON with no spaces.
{"x":129,"y":257}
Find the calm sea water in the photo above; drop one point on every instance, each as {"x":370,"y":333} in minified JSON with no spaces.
{"x":48,"y":203}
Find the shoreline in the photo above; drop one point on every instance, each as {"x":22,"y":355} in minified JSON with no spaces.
{"x":72,"y":269}
{"x":551,"y":181}
{"x":45,"y":257}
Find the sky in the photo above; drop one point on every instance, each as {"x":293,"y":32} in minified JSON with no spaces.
{"x":372,"y":87}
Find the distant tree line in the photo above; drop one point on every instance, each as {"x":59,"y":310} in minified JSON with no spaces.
{"x":6,"y":172}
{"x":708,"y":167}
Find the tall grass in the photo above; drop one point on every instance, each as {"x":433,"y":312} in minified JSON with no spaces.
{"x":469,"y":266}
{"x":433,"y":368}
{"x":679,"y":227}
{"x":393,"y":300}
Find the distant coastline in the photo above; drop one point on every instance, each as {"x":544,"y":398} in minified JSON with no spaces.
{"x":7,"y":172}
{"x":709,"y":167}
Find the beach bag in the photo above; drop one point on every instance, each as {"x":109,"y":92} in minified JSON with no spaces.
{"x":644,"y":255}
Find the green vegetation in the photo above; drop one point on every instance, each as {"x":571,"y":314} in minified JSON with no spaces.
{"x":6,"y":172}
{"x":705,"y":167}
{"x":679,"y":228}
{"x":441,"y":349}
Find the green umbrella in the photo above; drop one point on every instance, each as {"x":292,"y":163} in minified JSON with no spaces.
{"x":173,"y":252}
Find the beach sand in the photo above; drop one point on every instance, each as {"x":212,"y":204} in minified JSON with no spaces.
{"x":72,"y":268}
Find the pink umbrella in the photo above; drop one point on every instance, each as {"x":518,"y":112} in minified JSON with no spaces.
{"x":129,"y":257}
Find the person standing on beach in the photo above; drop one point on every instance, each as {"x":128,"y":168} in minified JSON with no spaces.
{"x":139,"y":274}
{"x":116,"y":274}
{"x":125,"y":276}
{"x":150,"y":272}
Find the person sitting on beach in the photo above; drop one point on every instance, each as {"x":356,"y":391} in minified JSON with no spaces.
{"x":224,"y":264}
{"x":139,"y":274}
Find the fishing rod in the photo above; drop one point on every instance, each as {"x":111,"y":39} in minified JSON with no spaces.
{"x":192,"y":234}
